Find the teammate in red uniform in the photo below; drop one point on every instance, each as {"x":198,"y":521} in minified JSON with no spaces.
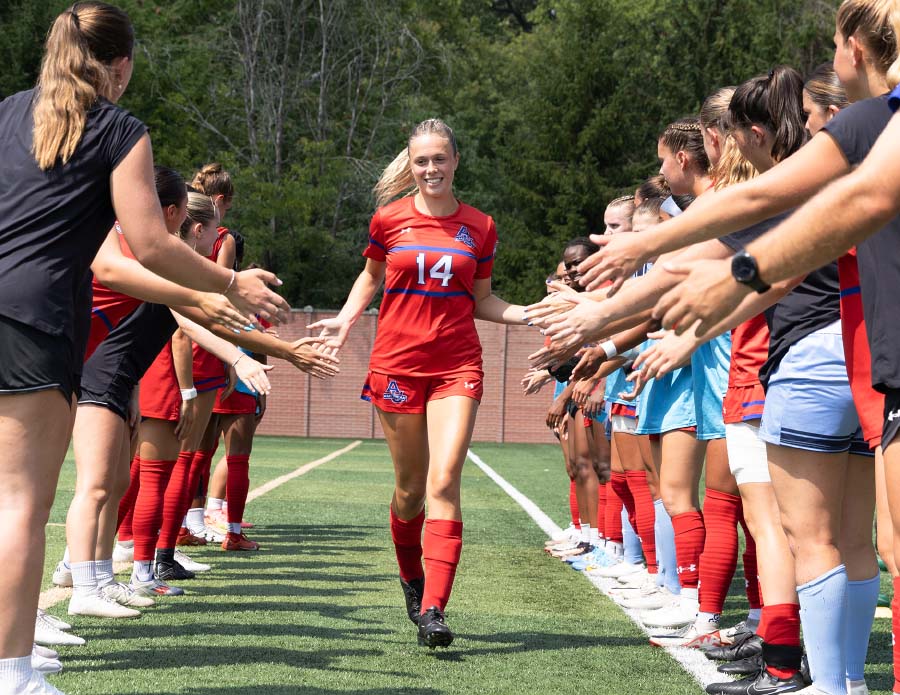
{"x":435,"y":255}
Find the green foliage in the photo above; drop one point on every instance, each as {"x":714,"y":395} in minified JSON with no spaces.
{"x":557,"y":105}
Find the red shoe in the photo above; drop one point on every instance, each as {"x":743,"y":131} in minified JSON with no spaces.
{"x":246,"y":524}
{"x":185,"y":537}
{"x":238,"y":541}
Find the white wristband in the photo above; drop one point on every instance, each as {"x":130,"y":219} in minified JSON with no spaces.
{"x":188,"y":394}
{"x":609,"y":347}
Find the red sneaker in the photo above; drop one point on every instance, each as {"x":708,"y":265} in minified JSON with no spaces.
{"x":185,"y":537}
{"x":238,"y":541}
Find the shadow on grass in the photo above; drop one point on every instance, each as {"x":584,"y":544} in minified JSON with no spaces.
{"x":309,"y":690}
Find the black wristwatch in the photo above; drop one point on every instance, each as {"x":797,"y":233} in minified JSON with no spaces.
{"x":746,"y":272}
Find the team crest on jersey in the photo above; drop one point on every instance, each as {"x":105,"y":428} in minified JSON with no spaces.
{"x":463,"y":237}
{"x":394,"y":393}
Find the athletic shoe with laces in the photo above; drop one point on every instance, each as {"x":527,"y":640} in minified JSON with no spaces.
{"x":562,"y":545}
{"x":623,"y":591}
{"x":190,"y":564}
{"x":124,"y":595}
{"x":690,"y":636}
{"x":682,"y":613}
{"x":171,"y":571}
{"x":750,"y":646}
{"x":154,"y":587}
{"x":99,"y":606}
{"x":238,"y":541}
{"x":433,"y":630}
{"x":620,"y":569}
{"x":634,"y":581}
{"x":45,"y":660}
{"x":763,"y":683}
{"x":123,"y":553}
{"x":566,"y":534}
{"x":210,"y":535}
{"x":736,"y":633}
{"x":47,"y":634}
{"x":62,"y":575}
{"x":651,"y":598}
{"x":412,"y":592}
{"x":580,"y":563}
{"x":38,"y":685}
{"x":579,"y":549}
{"x":186,"y":538}
{"x":742,"y":667}
{"x":58,"y":623}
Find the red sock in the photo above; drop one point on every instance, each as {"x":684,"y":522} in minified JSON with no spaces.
{"x":718,"y":560}
{"x":198,"y":483}
{"x":407,"y":537}
{"x":620,"y":481}
{"x":148,"y":506}
{"x":441,"y":547}
{"x":174,"y":505}
{"x":237,"y":486}
{"x":751,"y":569}
{"x":690,"y":535}
{"x":895,"y":632}
{"x":614,"y":507}
{"x":602,"y":494}
{"x":573,"y":505}
{"x":781,"y":624}
{"x":126,"y":504}
{"x":645,"y":516}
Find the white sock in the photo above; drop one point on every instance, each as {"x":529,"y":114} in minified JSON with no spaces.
{"x":692,"y":594}
{"x":234,"y":528}
{"x":125,"y":544}
{"x":708,"y":617}
{"x":195,"y":523}
{"x":594,"y":537}
{"x":615,"y":549}
{"x":585,"y":533}
{"x":141,"y":570}
{"x":15,"y":673}
{"x":214,"y":503}
{"x":65,"y":560}
{"x":754,"y":615}
{"x":84,"y":580}
{"x":103,"y":571}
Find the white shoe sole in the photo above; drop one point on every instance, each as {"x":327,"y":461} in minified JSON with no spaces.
{"x":96,"y":607}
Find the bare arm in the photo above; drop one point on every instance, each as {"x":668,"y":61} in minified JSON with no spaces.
{"x":489,"y":307}
{"x":360,"y":297}
{"x":183,"y":360}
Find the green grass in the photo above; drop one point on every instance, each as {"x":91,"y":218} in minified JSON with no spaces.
{"x":319,"y":609}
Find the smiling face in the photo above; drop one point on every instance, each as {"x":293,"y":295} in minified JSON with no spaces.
{"x":572,"y":257}
{"x":433,"y":164}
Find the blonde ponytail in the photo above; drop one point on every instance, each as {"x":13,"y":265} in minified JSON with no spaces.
{"x":732,"y":166}
{"x":200,"y":210}
{"x":75,"y":72}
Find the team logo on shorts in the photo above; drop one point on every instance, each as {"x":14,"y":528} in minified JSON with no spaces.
{"x":463,"y":237}
{"x":394,"y":393}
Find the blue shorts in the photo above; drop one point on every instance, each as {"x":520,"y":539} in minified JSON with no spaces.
{"x":667,"y":403}
{"x":808,"y":403}
{"x":558,"y":388}
{"x":710,"y":365}
{"x":617,"y":383}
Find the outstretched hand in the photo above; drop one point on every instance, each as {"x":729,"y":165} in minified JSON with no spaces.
{"x":333,"y":334}
{"x":251,"y":295}
{"x":315,"y":357}
{"x":620,"y":256}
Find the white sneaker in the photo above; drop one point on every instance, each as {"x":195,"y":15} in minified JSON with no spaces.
{"x":154,"y":587}
{"x":189,"y":564}
{"x":37,"y":685}
{"x":42,"y":662}
{"x":210,"y":534}
{"x":46,"y":633}
{"x":124,"y":595}
{"x":636,"y":580}
{"x":123,"y":553}
{"x":58,"y":623}
{"x":622,"y":591}
{"x":693,"y":636}
{"x":566,"y":534}
{"x":98,"y":606}
{"x":62,"y":575}
{"x":655,"y":598}
{"x":857,"y":687}
{"x":682,"y":613}
{"x":620,"y":569}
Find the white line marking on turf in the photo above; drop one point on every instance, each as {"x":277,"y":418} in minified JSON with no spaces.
{"x":56,"y":594}
{"x":691,"y":660}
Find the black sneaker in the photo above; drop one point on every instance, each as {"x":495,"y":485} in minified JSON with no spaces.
{"x":762,"y":684}
{"x":751,"y":646}
{"x":168,"y":568}
{"x":433,"y":631}
{"x":750,"y":666}
{"x":412,"y":591}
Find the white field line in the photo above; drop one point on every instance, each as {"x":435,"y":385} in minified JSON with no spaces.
{"x":691,"y":660}
{"x":56,"y":594}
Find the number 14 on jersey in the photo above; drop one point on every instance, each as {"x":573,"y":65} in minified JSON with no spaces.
{"x":439,"y":271}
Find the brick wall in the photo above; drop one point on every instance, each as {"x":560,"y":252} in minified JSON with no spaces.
{"x":302,"y":406}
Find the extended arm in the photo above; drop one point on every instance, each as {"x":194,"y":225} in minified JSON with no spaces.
{"x":489,"y":307}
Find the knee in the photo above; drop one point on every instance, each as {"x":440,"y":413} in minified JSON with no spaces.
{"x":584,"y":467}
{"x":443,"y":487}
{"x":676,"y":501}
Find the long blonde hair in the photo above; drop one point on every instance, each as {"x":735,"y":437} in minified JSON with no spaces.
{"x":75,"y":72}
{"x":876,"y":24}
{"x":397,"y":178}
{"x":200,"y":210}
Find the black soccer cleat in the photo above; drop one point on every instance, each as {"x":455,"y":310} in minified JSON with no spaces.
{"x":433,"y":631}
{"x":739,"y":650}
{"x":168,"y":568}
{"x":412,"y":591}
{"x":750,"y":666}
{"x":762,"y":684}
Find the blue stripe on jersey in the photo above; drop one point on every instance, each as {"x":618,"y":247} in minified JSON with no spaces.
{"x":103,"y":317}
{"x":486,"y":259}
{"x":375,"y":243}
{"x":850,"y":291}
{"x":425,"y":293}
{"x":433,"y":248}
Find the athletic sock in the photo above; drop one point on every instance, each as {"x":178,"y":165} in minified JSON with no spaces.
{"x":619,"y":480}
{"x":237,"y":486}
{"x":751,"y":571}
{"x":665,"y":549}
{"x":142,"y":571}
{"x":214,"y":504}
{"x":148,"y":506}
{"x":779,"y":628}
{"x":895,"y":632}
{"x":573,"y":505}
{"x":862,"y":599}
{"x":754,"y":615}
{"x":194,"y":520}
{"x":441,"y":548}
{"x":126,"y":504}
{"x":689,"y":535}
{"x":585,"y":533}
{"x":644,"y":516}
{"x":84,"y":580}
{"x":594,"y":536}
{"x":201,"y":463}
{"x":103,"y":571}
{"x":234,"y":528}
{"x":631,"y":542}
{"x":718,"y":561}
{"x":823,"y":608}
{"x":175,"y":501}
{"x":602,"y":493}
{"x":613,"y":520}
{"x":15,"y":673}
{"x":407,"y":538}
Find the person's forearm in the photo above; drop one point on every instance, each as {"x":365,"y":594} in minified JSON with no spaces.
{"x":497,"y":310}
{"x":127,"y":276}
{"x":255,"y":341}
{"x":183,"y":360}
{"x":632,"y":337}
{"x":221,"y":348}
{"x":360,"y":296}
{"x":752,"y":305}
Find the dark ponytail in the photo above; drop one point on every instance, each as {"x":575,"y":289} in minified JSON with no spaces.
{"x":169,"y":186}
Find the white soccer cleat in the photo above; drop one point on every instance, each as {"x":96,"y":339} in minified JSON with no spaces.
{"x":123,"y":553}
{"x":857,"y":687}
{"x":98,"y":606}
{"x":45,"y":660}
{"x":210,"y":535}
{"x":125,"y":595}
{"x":189,"y":564}
{"x":567,"y":534}
{"x":636,"y":580}
{"x":682,"y":613}
{"x":37,"y":685}
{"x":62,"y":575}
{"x":47,"y":634}
{"x":620,"y":569}
{"x":693,"y":636}
{"x":58,"y":623}
{"x":653,"y":599}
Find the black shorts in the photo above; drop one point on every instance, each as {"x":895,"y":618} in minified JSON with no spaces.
{"x":32,"y":360}
{"x":891,"y":417}
{"x":123,"y":357}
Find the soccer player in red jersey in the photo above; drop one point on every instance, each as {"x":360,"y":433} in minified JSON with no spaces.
{"x":435,"y":256}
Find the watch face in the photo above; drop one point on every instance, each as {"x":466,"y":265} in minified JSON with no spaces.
{"x":743,"y":267}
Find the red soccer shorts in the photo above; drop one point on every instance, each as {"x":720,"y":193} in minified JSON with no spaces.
{"x":236,"y":404}
{"x":410,"y":394}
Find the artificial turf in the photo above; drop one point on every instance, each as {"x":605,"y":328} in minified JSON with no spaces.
{"x":319,"y":608}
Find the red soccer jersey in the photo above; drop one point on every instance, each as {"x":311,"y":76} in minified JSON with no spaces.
{"x":426,"y":326}
{"x":745,"y":398}
{"x":209,"y":370}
